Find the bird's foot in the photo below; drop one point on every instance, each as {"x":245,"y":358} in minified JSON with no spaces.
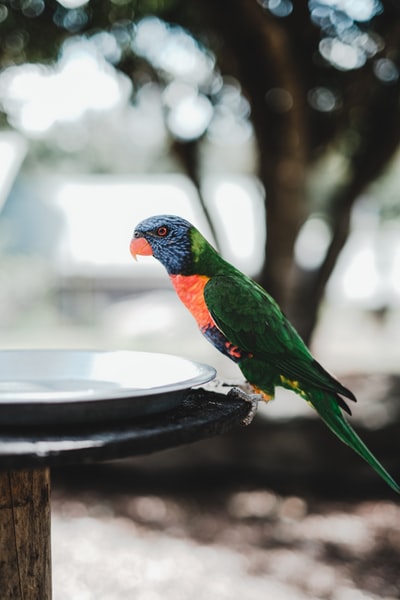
{"x":238,"y":389}
{"x":251,"y":399}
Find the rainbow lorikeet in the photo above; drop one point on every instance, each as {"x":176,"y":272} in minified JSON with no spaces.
{"x":242,"y":321}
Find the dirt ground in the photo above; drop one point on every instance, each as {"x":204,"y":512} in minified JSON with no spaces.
{"x":251,"y":543}
{"x":276,"y":510}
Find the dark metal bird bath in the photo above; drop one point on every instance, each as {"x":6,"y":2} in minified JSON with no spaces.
{"x":66,"y":407}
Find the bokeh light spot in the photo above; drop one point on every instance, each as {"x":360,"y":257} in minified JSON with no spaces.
{"x":322,"y":99}
{"x":279,"y":100}
{"x":386,"y":70}
{"x":342,"y":56}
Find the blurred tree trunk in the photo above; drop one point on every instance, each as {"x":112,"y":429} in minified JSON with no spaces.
{"x":379,"y":127}
{"x":187,"y":152}
{"x":261,"y":57}
{"x":273,"y":61}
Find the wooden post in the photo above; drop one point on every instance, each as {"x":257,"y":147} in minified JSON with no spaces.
{"x":25,"y":559}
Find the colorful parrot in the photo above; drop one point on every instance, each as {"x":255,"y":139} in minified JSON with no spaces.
{"x":241,"y":320}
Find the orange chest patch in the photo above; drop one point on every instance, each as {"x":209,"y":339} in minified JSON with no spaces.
{"x":190,"y":289}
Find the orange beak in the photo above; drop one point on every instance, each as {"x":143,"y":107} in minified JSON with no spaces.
{"x":141,"y":247}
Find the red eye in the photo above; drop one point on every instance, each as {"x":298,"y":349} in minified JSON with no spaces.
{"x":162,"y":231}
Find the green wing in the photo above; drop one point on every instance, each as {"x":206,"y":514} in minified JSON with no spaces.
{"x":250,"y":319}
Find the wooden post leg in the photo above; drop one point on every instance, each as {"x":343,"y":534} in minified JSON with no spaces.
{"x":25,"y":560}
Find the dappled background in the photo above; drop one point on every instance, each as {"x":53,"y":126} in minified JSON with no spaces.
{"x":274,"y":126}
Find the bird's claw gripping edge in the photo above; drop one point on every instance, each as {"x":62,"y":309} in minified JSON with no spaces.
{"x":238,"y":390}
{"x":251,"y":399}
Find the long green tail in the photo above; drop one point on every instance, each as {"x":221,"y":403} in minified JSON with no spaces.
{"x":326,"y":406}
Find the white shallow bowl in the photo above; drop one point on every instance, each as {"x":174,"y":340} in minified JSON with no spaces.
{"x":68,"y":386}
